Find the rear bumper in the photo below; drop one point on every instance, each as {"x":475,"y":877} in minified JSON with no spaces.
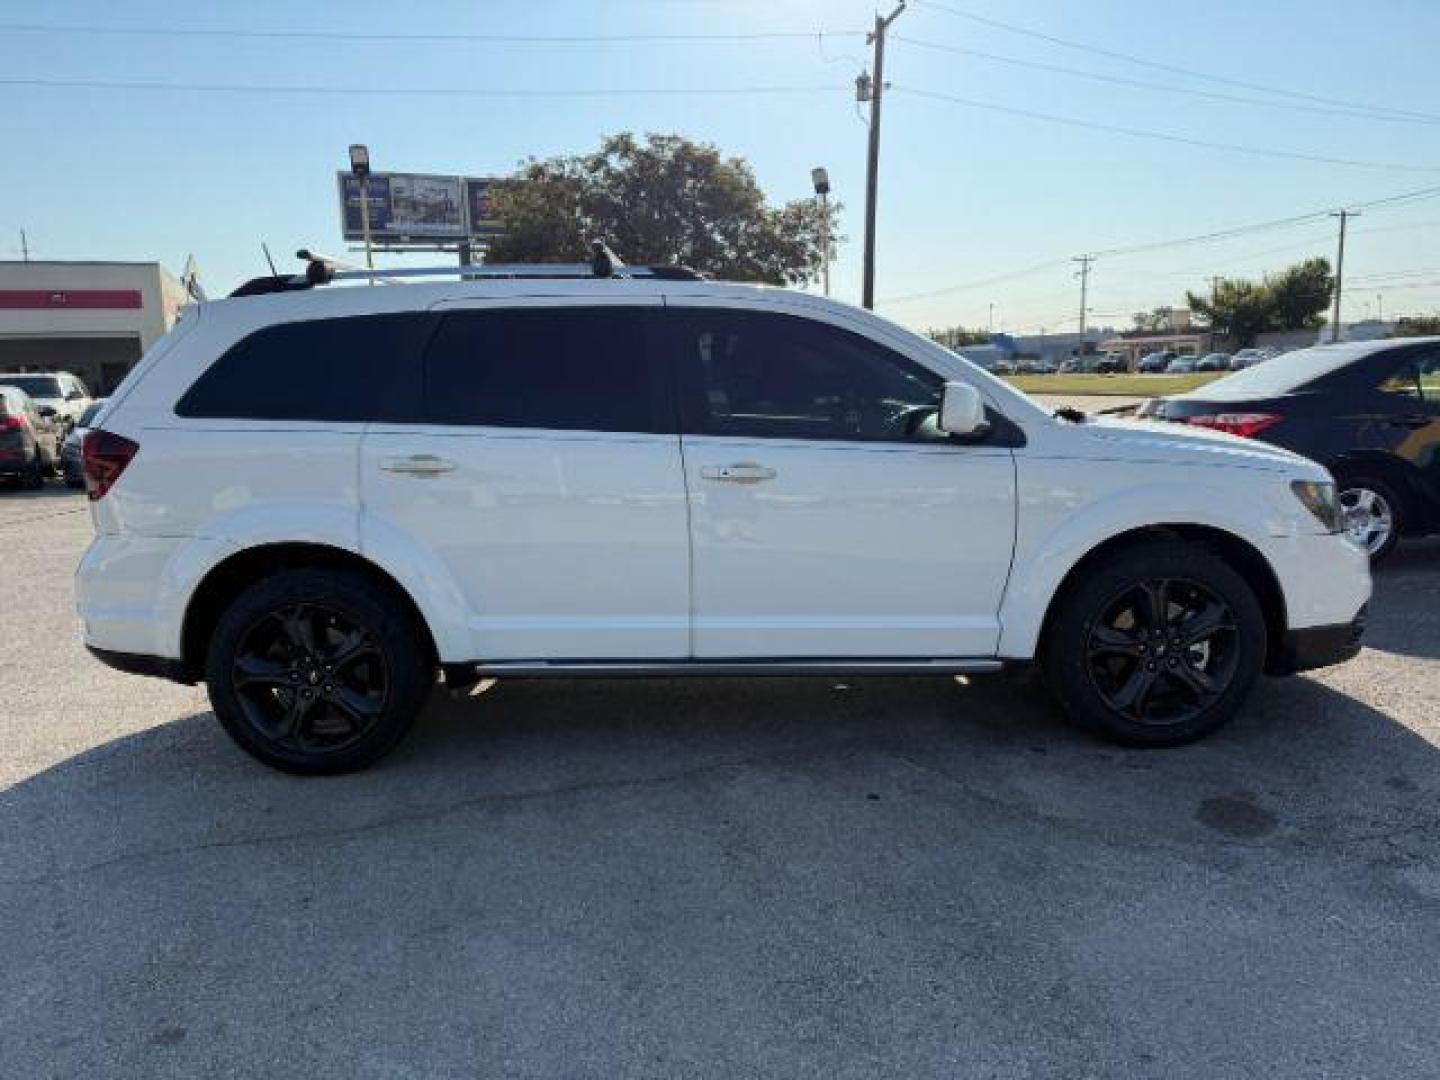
{"x":158,"y":667}
{"x":1319,"y":646}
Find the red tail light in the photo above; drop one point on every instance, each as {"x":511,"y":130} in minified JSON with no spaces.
{"x":103,"y":457}
{"x":1245,"y":424}
{"x":12,"y":423}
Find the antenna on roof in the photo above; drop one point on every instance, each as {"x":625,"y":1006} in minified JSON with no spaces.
{"x":266,"y":249}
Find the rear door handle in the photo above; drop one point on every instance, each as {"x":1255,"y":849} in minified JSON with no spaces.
{"x":742,"y":472}
{"x":417,"y":465}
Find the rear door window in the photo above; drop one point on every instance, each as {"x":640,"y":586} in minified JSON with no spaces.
{"x":360,"y":368}
{"x":557,"y":368}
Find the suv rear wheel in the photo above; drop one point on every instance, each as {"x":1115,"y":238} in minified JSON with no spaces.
{"x":317,"y":671}
{"x":1158,"y":645}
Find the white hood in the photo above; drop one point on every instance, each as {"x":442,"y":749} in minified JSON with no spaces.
{"x":1148,"y":440}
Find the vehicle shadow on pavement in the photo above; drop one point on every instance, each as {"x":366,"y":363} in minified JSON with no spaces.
{"x":884,"y":877}
{"x":1405,"y":611}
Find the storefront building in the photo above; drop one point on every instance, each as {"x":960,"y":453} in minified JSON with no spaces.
{"x":92,"y":319}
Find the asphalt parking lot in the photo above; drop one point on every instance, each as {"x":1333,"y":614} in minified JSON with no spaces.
{"x":904,"y":877}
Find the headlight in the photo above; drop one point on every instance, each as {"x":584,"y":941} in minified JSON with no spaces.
{"x":1320,"y":499}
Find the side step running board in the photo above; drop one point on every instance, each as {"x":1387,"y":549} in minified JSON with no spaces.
{"x":464,"y":674}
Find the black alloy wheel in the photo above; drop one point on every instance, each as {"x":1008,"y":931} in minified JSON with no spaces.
{"x":318,"y":671}
{"x":310,"y":677}
{"x":1162,"y":651}
{"x":1156,"y":643}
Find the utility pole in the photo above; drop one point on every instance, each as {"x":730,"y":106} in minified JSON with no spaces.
{"x":24,"y":247}
{"x":1344,"y":216}
{"x":1084,"y":276}
{"x":872,"y":166}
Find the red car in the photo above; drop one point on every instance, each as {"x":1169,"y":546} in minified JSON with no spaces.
{"x":29,"y":441}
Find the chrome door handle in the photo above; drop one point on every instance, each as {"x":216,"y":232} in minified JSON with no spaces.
{"x":742,"y":472}
{"x":417,"y":465}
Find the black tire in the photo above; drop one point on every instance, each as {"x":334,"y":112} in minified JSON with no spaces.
{"x":1351,"y":485}
{"x":35,"y":475}
{"x":1183,"y":690}
{"x":285,"y":637}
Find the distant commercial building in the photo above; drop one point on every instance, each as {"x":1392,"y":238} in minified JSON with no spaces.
{"x":93,"y":319}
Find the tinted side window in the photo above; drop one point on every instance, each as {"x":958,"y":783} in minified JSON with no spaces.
{"x":780,"y":376}
{"x":352,"y":369}
{"x":572,"y":369}
{"x":1418,"y":379}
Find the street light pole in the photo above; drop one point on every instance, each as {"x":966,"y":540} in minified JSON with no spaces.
{"x":872,"y":164}
{"x":821,"y":179}
{"x":360,"y":166}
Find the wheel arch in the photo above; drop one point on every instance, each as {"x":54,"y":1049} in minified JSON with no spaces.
{"x":1244,"y":557}
{"x":225,"y":581}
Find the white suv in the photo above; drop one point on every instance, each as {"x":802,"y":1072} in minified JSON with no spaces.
{"x":317,"y":499}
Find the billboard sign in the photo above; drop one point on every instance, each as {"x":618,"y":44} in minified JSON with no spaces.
{"x":417,"y":208}
{"x":477,"y":203}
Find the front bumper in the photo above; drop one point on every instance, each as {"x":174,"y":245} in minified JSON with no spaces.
{"x":1319,"y":646}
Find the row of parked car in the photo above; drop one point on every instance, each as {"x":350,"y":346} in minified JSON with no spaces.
{"x":1174,"y":364}
{"x":43,"y":416}
{"x":1114,"y":363}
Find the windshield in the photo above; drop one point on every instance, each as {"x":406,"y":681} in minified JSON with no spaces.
{"x":37,"y":386}
{"x":1283,"y":374}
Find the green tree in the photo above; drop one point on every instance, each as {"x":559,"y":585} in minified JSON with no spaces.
{"x":664,"y":200}
{"x":1301,"y":294}
{"x":1293,"y":299}
{"x":1417,"y":326}
{"x":1238,"y":309}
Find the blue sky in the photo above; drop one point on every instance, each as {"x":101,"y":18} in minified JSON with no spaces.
{"x":968,"y":194}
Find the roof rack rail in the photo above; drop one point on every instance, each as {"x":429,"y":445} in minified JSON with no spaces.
{"x":323,"y":270}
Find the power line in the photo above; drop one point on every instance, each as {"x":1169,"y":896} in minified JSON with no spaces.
{"x":1388,"y":201}
{"x":1184,"y":140}
{"x":1174,"y":69}
{"x":346,"y":35}
{"x":1049,"y":264}
{"x":492,"y":92}
{"x":1143,"y":84}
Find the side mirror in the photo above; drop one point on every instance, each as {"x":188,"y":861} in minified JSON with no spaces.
{"x":962,"y":410}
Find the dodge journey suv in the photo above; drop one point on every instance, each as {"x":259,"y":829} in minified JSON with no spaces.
{"x":321,"y":500}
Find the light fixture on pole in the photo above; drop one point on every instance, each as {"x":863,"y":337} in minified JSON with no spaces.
{"x":821,"y":179}
{"x":360,"y":166}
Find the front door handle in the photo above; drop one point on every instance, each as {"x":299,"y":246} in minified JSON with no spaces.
{"x":742,"y":472}
{"x":417,"y":465}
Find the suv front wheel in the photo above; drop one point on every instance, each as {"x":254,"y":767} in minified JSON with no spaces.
{"x":317,"y":671}
{"x":1158,"y":645}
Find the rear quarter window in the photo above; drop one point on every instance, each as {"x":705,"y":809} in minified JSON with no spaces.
{"x":359,"y":368}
